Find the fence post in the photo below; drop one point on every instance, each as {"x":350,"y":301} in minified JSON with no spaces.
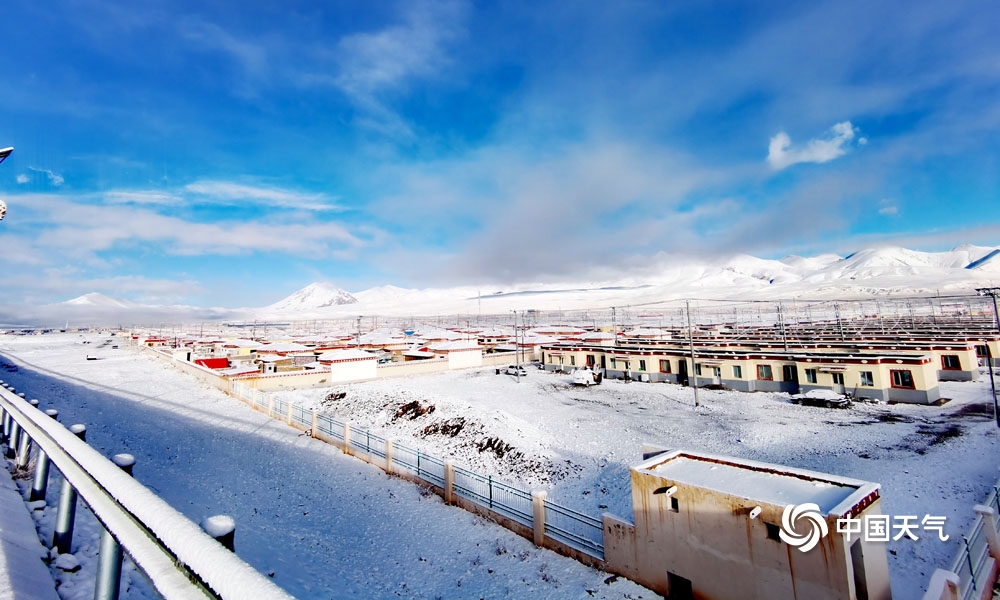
{"x":41,"y":482}
{"x":389,"y":450}
{"x":990,"y":527}
{"x":538,"y":515}
{"x":315,"y":423}
{"x":944,"y":585}
{"x":449,"y":481}
{"x":109,"y":558}
{"x":62,"y":538}
{"x":347,"y":437}
{"x":222,"y":528}
{"x":270,"y":406}
{"x":14,"y":439}
{"x":288,"y":417}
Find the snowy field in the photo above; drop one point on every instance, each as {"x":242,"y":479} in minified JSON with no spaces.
{"x":327,"y":524}
{"x":578,"y":443}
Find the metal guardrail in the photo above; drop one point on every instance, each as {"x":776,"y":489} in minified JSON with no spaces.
{"x":178,"y":558}
{"x":509,"y":501}
{"x":973,"y":556}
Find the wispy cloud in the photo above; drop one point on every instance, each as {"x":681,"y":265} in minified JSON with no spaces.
{"x":888,"y":208}
{"x":375,"y":65}
{"x":225,"y":192}
{"x":141,"y":197}
{"x":781,"y":154}
{"x":53,"y":177}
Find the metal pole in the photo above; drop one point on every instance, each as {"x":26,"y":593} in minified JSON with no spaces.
{"x":41,"y":482}
{"x":693,"y":375}
{"x":109,"y":558}
{"x":62,"y":538}
{"x":517,"y":357}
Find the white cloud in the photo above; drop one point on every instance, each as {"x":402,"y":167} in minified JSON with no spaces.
{"x":888,"y":208}
{"x":231,"y":193}
{"x":22,"y":178}
{"x":156,"y":198}
{"x":54,"y":178}
{"x":781,"y":154}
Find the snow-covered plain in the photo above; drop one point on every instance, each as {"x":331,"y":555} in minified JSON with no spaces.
{"x":325,"y":524}
{"x":578,"y":443}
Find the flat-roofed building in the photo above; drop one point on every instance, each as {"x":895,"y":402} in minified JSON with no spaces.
{"x":697,"y":516}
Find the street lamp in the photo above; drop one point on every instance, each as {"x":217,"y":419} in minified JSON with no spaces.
{"x":4,"y":153}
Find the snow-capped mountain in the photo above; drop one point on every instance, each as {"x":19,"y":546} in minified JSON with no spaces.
{"x":868,"y":272}
{"x":312,"y":297}
{"x":96,"y":300}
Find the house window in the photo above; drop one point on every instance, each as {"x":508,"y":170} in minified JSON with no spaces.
{"x":789,"y":373}
{"x":867,"y":380}
{"x":572,"y":360}
{"x":642,"y":365}
{"x":811,"y":375}
{"x":590,"y":360}
{"x":950,"y":362}
{"x":902,"y":379}
{"x":664,"y":366}
{"x":737,"y":372}
{"x":560,"y":359}
{"x":838,"y":378}
{"x":764,"y":373}
{"x":716,"y":371}
{"x":773,"y":531}
{"x":982,"y":351}
{"x":697,"y":369}
{"x":614,"y":363}
{"x":675,"y":505}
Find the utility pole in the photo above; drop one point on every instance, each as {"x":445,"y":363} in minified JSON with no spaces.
{"x":840,"y":326}
{"x":517,"y":356}
{"x":781,"y":324}
{"x":693,"y":376}
{"x":992,"y":292}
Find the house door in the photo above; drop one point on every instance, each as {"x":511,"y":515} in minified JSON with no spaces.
{"x":604,"y":363}
{"x":682,"y":372}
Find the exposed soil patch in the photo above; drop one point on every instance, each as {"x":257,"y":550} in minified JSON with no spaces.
{"x":450,"y":428}
{"x":412,"y":410}
{"x":894,"y":418}
{"x":975,"y":410}
{"x":500,"y":448}
{"x":940,"y":434}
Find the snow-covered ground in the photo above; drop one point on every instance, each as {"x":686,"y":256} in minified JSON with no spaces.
{"x":578,"y":443}
{"x":327,"y":524}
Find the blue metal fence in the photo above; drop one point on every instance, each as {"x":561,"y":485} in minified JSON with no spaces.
{"x":973,"y":556}
{"x":509,"y":501}
{"x":576,"y":530}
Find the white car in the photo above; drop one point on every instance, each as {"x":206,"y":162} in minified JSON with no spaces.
{"x":516,"y":370}
{"x":585,"y":377}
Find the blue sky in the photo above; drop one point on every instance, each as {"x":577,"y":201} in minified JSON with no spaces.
{"x":229,"y":153}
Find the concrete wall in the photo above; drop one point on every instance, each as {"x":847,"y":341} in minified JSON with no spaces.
{"x":464,"y":359}
{"x":413,"y":367}
{"x":353,"y":370}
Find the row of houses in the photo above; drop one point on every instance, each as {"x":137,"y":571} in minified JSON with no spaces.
{"x":897,"y":377}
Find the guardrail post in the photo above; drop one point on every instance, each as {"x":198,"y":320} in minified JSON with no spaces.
{"x":989,"y":516}
{"x":315,"y":423}
{"x":347,"y":437}
{"x":62,"y":538}
{"x":109,"y":557}
{"x":390,"y":450}
{"x":288,"y":417}
{"x":270,"y":406}
{"x":449,"y":480}
{"x":538,"y":515}
{"x":41,"y":482}
{"x":13,"y":439}
{"x":222,"y":528}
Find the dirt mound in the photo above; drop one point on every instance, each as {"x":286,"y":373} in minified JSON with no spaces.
{"x":412,"y":410}
{"x":450,"y":428}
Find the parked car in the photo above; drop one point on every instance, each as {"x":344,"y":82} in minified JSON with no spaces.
{"x":586,"y":377}
{"x":824,"y":398}
{"x":516,"y":370}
